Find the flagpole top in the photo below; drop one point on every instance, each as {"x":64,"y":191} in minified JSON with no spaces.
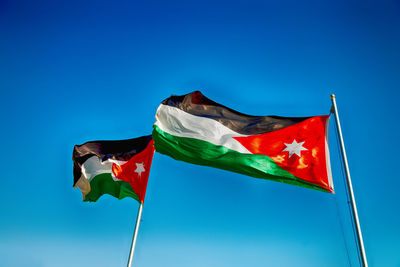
{"x":332,"y":96}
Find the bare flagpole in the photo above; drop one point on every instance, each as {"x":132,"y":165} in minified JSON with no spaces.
{"x":349,"y":185}
{"x":139,"y":216}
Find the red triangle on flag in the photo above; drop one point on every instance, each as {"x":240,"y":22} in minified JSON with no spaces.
{"x":136,"y":170}
{"x":299,"y":149}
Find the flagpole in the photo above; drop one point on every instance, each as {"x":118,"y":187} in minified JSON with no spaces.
{"x":349,"y":185}
{"x":139,"y":216}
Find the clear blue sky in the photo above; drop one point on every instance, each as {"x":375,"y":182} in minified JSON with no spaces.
{"x":75,"y":71}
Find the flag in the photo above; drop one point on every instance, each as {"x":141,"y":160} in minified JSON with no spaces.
{"x":118,"y":168}
{"x":195,"y":129}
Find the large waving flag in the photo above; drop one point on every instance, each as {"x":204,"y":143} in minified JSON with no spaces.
{"x":118,"y":168}
{"x":195,"y":129}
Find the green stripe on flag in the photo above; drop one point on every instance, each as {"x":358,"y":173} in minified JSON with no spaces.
{"x":104,"y":184}
{"x":207,"y":154}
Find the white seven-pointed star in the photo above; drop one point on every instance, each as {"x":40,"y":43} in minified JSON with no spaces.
{"x":294,"y":148}
{"x":140,"y":168}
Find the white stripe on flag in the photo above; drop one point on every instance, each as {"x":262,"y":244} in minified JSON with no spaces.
{"x":93,"y":167}
{"x":179,"y":123}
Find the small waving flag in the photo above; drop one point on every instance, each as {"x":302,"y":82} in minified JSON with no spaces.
{"x":118,"y":168}
{"x":195,"y":129}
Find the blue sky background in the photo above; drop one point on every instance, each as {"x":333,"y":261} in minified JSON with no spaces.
{"x":75,"y":71}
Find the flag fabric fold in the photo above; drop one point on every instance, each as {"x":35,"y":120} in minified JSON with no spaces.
{"x":119,"y":168}
{"x":293,"y":150}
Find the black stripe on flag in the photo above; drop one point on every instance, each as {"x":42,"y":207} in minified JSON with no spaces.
{"x":197,"y":104}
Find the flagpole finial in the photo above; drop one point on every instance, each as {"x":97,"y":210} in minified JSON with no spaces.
{"x":332,"y":96}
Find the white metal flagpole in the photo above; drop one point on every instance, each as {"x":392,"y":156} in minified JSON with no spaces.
{"x":350,"y":186}
{"x":139,"y":216}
